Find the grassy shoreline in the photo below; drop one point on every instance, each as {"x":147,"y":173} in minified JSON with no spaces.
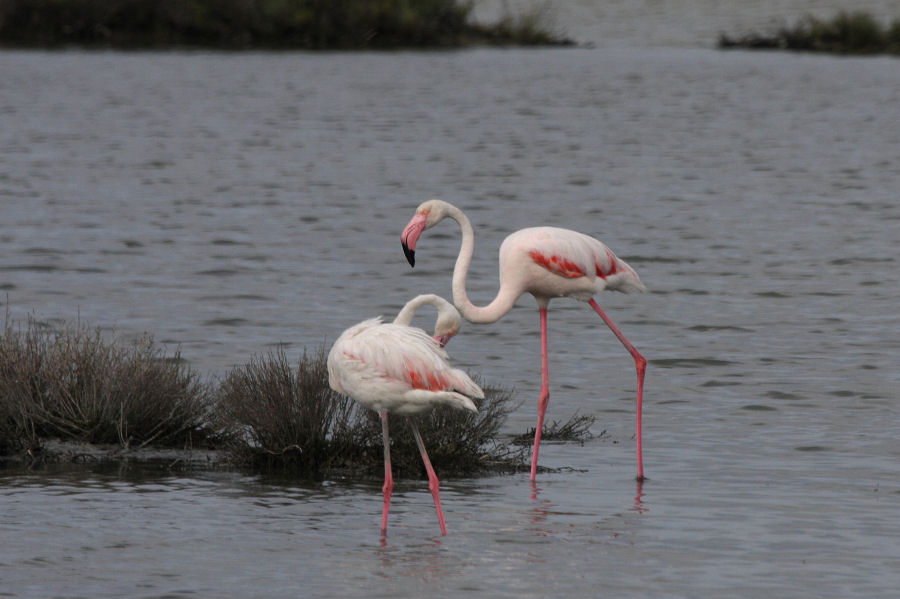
{"x":263,"y":24}
{"x":850,"y":33}
{"x":71,"y":395}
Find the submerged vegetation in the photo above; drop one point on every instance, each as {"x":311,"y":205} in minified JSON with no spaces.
{"x":73,"y":385}
{"x":846,"y":33}
{"x":268,"y":24}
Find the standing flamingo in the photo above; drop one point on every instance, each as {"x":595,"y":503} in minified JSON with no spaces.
{"x":395,"y":368}
{"x":546,"y":262}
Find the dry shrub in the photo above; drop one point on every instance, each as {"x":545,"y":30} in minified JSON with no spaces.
{"x":275,"y":416}
{"x":458,"y":442}
{"x":73,"y":384}
{"x":576,"y":429}
{"x":279,"y":417}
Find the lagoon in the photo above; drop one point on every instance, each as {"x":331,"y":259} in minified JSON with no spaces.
{"x":230,"y":204}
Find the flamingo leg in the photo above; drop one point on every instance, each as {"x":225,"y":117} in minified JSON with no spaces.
{"x":544,"y":399}
{"x":433,"y":482}
{"x":388,"y":477}
{"x":641,"y":366}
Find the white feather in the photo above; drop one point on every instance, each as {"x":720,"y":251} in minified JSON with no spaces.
{"x":397,"y":368}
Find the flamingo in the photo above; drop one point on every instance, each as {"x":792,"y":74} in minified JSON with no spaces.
{"x":395,"y":368}
{"x":546,"y":262}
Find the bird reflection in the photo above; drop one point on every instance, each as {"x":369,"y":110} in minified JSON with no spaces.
{"x":542,"y":507}
{"x":639,"y":506}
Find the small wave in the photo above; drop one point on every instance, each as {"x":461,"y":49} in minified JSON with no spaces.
{"x":702,"y":328}
{"x":229,"y":322}
{"x":715,"y":383}
{"x":689,"y":362}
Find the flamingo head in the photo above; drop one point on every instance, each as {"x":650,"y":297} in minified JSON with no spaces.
{"x":443,"y":339}
{"x":427,"y":215}
{"x":447,"y":325}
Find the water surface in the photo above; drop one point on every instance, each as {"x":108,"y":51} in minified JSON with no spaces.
{"x":230,"y":204}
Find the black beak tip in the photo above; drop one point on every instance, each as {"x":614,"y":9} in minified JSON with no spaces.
{"x":410,"y":255}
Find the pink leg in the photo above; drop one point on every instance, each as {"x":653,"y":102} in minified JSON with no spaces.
{"x":641,"y":365}
{"x":544,"y":399}
{"x":388,"y":477}
{"x":433,"y":482}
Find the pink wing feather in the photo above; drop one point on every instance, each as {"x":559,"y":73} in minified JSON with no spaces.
{"x":572,"y":255}
{"x":396,"y":367}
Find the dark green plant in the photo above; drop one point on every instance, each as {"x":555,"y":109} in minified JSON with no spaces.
{"x":845,"y":33}
{"x":854,"y":32}
{"x":531,"y":27}
{"x":235,"y":24}
{"x":892,"y":37}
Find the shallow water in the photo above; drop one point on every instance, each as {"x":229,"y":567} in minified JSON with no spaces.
{"x":233,"y":203}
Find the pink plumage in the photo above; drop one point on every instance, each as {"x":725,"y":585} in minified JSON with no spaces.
{"x":546,"y":262}
{"x":395,"y":368}
{"x":552,"y":262}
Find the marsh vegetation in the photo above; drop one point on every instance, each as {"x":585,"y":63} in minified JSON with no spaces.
{"x":264,"y":24}
{"x":845,"y":33}
{"x":75,"y":384}
{"x":72,"y":383}
{"x":274,"y":415}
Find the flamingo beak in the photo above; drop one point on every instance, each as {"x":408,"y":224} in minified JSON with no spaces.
{"x":410,"y":236}
{"x":443,"y":339}
{"x":410,"y":254}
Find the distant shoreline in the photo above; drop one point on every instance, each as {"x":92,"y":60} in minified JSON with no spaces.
{"x":852,"y":33}
{"x":260,"y":25}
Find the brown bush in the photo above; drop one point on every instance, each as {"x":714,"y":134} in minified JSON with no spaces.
{"x":74,"y":384}
{"x":279,"y":417}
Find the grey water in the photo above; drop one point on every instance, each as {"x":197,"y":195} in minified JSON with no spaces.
{"x":233,"y":203}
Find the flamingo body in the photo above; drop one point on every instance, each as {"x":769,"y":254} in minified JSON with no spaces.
{"x":547,"y":262}
{"x":550,"y":262}
{"x":395,"y":368}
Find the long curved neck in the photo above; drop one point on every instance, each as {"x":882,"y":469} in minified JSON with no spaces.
{"x":406,"y":314}
{"x":506,"y":297}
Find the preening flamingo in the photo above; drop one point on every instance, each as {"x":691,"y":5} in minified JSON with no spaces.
{"x":546,"y":262}
{"x":395,"y":368}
